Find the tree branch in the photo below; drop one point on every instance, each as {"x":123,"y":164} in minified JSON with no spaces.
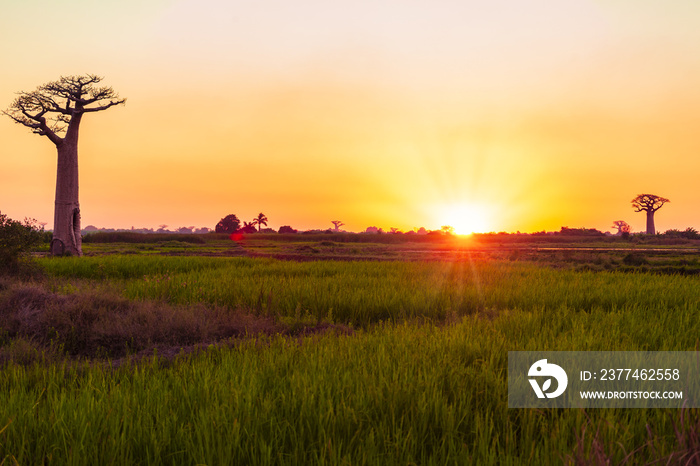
{"x":44,"y":112}
{"x":44,"y":130}
{"x":112,"y":103}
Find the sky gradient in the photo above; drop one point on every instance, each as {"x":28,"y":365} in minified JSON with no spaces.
{"x":494,"y":115}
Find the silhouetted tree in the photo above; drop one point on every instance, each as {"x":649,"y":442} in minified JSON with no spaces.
{"x":50,"y":110}
{"x":649,"y":203}
{"x":286,"y":229}
{"x":228,"y":224}
{"x":447,"y":229}
{"x":248,"y":227}
{"x":260,"y":220}
{"x":337,"y":224}
{"x":622,"y":227}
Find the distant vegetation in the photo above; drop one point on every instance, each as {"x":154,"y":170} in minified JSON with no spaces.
{"x":231,"y":224}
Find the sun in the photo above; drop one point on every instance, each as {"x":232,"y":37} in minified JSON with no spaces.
{"x":466,"y":218}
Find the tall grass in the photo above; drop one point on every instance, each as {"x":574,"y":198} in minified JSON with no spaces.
{"x":423,"y":380}
{"x":361,"y":293}
{"x":126,"y":267}
{"x":397,"y":394}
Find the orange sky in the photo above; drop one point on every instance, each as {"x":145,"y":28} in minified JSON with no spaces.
{"x":523,"y":115}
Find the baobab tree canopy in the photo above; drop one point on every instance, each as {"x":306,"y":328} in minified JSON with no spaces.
{"x":649,"y":203}
{"x":51,"y":110}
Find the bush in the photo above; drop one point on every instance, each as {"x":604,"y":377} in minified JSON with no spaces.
{"x":689,"y":233}
{"x":634,"y":259}
{"x":16,"y":239}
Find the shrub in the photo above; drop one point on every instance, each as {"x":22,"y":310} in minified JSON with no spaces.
{"x":635,"y":259}
{"x":691,"y":233}
{"x":688,"y":233}
{"x":566,"y":231}
{"x":16,"y":239}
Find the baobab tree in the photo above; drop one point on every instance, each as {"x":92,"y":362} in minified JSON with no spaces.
{"x":337,"y":224}
{"x":260,"y":220}
{"x":649,"y":203}
{"x":50,"y":110}
{"x":622,"y":227}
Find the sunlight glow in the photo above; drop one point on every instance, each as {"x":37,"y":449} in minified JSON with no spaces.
{"x":466,"y":218}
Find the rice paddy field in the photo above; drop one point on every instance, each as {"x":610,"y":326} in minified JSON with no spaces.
{"x":147,"y":358}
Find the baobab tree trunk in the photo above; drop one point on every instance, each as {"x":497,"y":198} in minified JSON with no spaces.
{"x":66,"y":219}
{"x":651,"y":230}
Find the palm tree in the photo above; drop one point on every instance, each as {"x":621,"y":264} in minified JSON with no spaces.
{"x":260,"y":220}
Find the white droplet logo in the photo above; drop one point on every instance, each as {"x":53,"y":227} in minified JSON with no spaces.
{"x":542,"y":369}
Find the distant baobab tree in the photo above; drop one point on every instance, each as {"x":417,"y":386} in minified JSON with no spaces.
{"x":622,"y":227}
{"x":337,"y":224}
{"x":51,"y":109}
{"x":649,"y":203}
{"x":260,"y":220}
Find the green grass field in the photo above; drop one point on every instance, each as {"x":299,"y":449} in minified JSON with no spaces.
{"x":259,"y":361}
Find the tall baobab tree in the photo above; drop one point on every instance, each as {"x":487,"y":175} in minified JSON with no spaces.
{"x":50,"y":110}
{"x":260,"y":220}
{"x":337,"y":224}
{"x":649,"y":203}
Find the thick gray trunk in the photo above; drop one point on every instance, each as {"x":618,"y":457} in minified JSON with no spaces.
{"x":650,"y":223}
{"x":66,"y":220}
